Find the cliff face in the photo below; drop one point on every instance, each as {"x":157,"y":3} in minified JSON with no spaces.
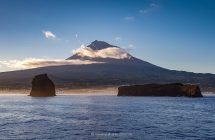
{"x":160,"y":90}
{"x":42,"y":86}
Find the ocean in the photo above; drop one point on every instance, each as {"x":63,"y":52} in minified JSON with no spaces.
{"x":107,"y":117}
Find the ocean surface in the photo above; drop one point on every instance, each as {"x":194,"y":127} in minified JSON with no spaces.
{"x":107,"y":117}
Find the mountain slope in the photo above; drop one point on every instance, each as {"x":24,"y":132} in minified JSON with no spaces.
{"x":111,"y":72}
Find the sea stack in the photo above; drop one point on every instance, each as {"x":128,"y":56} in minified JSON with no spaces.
{"x":42,"y":86}
{"x":174,"y":90}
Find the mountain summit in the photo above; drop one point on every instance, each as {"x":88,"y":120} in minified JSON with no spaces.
{"x":99,"y":45}
{"x":100,"y":51}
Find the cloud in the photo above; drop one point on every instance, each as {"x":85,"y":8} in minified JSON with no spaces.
{"x":38,"y":62}
{"x":143,"y":11}
{"x":129,"y":48}
{"x":129,"y":18}
{"x":111,"y":52}
{"x":118,"y":38}
{"x":76,"y":36}
{"x":152,"y":7}
{"x":49,"y":35}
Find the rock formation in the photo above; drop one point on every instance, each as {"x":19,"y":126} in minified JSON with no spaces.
{"x":176,"y":89}
{"x":42,"y":86}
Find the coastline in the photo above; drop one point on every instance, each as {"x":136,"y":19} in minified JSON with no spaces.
{"x":112,"y":91}
{"x":59,"y":92}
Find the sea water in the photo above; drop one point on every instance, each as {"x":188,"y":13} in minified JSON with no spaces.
{"x":107,"y":117}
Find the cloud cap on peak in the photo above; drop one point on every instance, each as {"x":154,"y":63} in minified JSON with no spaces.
{"x":109,"y":51}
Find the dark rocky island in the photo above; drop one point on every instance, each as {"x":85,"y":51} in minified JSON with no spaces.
{"x":42,"y":86}
{"x":176,"y":89}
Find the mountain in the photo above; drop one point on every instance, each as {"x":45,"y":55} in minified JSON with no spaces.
{"x":115,"y":67}
{"x":99,"y":45}
{"x":101,"y":51}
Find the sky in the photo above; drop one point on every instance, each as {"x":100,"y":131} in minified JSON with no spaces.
{"x":174,"y":34}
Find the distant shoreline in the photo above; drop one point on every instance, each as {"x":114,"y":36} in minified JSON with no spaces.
{"x":82,"y":91}
{"x":79,"y":91}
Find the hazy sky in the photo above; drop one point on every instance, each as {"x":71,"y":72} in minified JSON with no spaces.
{"x":175,"y":34}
